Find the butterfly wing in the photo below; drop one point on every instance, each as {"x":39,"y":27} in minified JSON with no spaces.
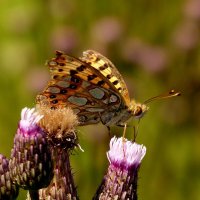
{"x":109,"y":71}
{"x":76,"y":84}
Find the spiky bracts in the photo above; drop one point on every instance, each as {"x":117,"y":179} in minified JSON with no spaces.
{"x":62,"y":186}
{"x":30,"y":164}
{"x":40,"y":160}
{"x":120,"y":182}
{"x":60,"y":127}
{"x":8,"y":190}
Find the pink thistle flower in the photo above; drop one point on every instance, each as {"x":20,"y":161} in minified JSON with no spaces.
{"x":30,"y":163}
{"x":192,"y":9}
{"x":107,"y":30}
{"x":151,"y":58}
{"x":120,"y":182}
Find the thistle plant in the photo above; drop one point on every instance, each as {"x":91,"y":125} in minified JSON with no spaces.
{"x":120,"y":181}
{"x":60,"y":127}
{"x":40,"y":160}
{"x":8,"y":190}
{"x":30,"y":163}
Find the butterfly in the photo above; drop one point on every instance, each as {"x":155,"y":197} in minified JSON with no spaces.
{"x":93,"y":87}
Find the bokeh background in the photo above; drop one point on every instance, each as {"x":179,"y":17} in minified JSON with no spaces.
{"x":156,"y":47}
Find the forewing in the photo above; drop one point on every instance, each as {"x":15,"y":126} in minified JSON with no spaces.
{"x":77,"y":85}
{"x":109,"y":71}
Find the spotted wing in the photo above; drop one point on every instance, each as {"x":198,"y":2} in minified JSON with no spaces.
{"x":109,"y":71}
{"x":76,"y":84}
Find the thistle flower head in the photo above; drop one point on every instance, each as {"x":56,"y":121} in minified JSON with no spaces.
{"x":30,"y":163}
{"x":120,"y":181}
{"x":60,"y":126}
{"x":125,"y":154}
{"x":29,"y":120}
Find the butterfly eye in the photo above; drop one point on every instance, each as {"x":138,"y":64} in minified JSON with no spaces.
{"x":138,"y":111}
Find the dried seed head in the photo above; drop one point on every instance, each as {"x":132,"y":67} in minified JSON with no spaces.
{"x":60,"y":126}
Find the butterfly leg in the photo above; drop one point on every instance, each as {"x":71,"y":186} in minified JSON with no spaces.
{"x":136,"y":130}
{"x":123,"y":125}
{"x":109,"y":132}
{"x":108,"y":127}
{"x":124,"y":132}
{"x":120,"y":125}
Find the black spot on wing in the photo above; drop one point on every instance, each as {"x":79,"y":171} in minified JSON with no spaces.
{"x":119,"y":88}
{"x":91,"y":77}
{"x":55,"y":76}
{"x":72,"y":86}
{"x":75,"y":79}
{"x":81,"y":68}
{"x":55,"y":101}
{"x":109,"y":76}
{"x":52,"y":96}
{"x":63,"y":91}
{"x":73,"y":72}
{"x":115,"y":82}
{"x":100,"y":83}
{"x":103,"y":67}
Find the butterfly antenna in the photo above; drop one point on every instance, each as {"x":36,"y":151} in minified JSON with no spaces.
{"x":171,"y":93}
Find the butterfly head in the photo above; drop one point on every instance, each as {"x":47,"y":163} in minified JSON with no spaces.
{"x":138,"y":109}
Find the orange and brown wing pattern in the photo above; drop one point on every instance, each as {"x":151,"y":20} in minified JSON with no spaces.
{"x":64,"y":65}
{"x":109,"y":71}
{"x":76,"y":84}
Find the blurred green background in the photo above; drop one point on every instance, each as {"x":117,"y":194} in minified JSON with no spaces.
{"x":156,"y":47}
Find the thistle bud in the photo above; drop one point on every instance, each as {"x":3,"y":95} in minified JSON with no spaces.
{"x":31,"y":165}
{"x":120,"y":182}
{"x":8,"y":190}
